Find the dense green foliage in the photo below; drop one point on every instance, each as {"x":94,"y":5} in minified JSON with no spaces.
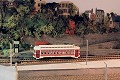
{"x":17,"y":22}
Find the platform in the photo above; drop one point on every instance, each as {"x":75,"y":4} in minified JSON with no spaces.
{"x":8,"y":73}
{"x":76,"y":65}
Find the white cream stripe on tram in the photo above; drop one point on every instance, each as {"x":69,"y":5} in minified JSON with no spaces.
{"x":42,"y":51}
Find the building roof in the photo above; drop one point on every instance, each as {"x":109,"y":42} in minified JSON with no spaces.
{"x":88,"y":11}
{"x":99,"y":9}
{"x":116,"y":18}
{"x":64,"y":2}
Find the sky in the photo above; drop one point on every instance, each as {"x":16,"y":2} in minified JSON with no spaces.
{"x":107,"y":5}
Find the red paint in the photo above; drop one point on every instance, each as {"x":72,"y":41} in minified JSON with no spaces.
{"x":37,"y":43}
{"x":76,"y":53}
{"x":37,"y":53}
{"x":57,"y":54}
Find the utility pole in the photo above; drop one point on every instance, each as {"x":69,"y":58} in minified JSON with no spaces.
{"x":87,"y":52}
{"x":105,"y":71}
{"x":16,"y":71}
{"x":10,"y":54}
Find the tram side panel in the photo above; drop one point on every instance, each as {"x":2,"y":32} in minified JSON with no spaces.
{"x":39,"y":53}
{"x":57,"y":53}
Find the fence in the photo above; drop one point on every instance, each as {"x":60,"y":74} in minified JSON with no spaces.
{"x":78,"y":74}
{"x":69,"y":71}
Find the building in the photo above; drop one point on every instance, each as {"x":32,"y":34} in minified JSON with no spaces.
{"x":88,"y":13}
{"x":64,"y":8}
{"x":51,"y":8}
{"x":67,"y":8}
{"x":38,"y":4}
{"x":96,"y":15}
{"x":91,"y":14}
{"x":99,"y":15}
{"x":114,"y":22}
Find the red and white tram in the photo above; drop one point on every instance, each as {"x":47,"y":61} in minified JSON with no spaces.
{"x":43,"y":51}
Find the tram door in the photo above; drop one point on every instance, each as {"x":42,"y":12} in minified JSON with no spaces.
{"x":76,"y":53}
{"x":37,"y":53}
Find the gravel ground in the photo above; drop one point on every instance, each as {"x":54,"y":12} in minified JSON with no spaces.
{"x":96,"y":41}
{"x":81,"y":74}
{"x":77,"y":40}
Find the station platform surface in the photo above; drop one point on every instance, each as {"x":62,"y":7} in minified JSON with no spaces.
{"x":75,"y":65}
{"x":8,"y":73}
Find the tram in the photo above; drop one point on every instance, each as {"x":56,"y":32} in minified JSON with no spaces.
{"x":42,"y":51}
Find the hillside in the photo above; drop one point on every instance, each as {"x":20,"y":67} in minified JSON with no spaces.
{"x":77,"y":40}
{"x":99,"y":44}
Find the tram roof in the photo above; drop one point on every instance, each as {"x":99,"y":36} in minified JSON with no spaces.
{"x":55,"y":46}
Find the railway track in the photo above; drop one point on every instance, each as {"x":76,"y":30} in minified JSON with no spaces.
{"x":27,"y":61}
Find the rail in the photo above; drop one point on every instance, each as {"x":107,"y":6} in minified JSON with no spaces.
{"x":27,"y":61}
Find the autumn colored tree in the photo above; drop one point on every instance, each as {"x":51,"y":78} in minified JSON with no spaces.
{"x":71,"y":28}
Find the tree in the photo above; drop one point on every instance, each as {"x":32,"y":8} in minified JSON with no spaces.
{"x":106,"y":21}
{"x":3,"y":10}
{"x":17,"y":24}
{"x":85,"y":19}
{"x":59,"y":26}
{"x":80,"y":29}
{"x":47,"y":28}
{"x":91,"y":28}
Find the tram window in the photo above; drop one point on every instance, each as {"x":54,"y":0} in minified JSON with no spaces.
{"x":72,"y":52}
{"x":69,"y":52}
{"x":66,"y":53}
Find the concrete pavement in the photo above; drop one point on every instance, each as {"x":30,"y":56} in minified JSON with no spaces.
{"x":76,"y":65}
